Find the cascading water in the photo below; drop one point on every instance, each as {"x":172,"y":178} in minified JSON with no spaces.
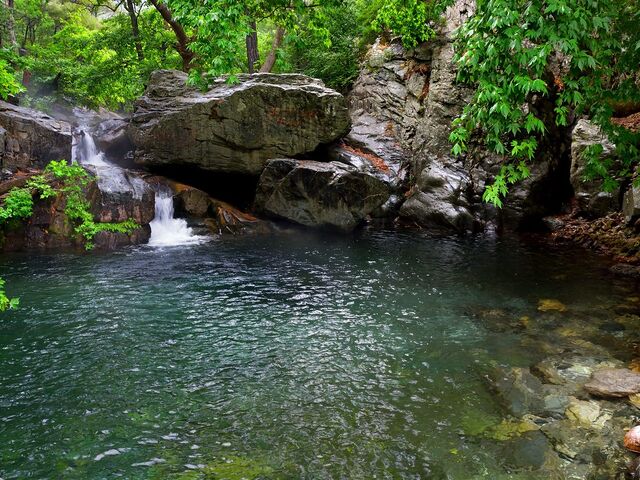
{"x":112,"y":179}
{"x":167,"y":230}
{"x":84,"y":150}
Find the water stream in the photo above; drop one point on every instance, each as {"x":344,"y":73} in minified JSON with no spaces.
{"x":112,"y":179}
{"x":282,"y":357}
{"x":166,"y":230}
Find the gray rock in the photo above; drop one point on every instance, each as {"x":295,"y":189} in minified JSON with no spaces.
{"x":319,"y":194}
{"x":234,"y":128}
{"x":518,"y":391}
{"x":613,"y":382}
{"x":631,"y":204}
{"x":440,"y":200}
{"x":31,"y":139}
{"x":532,"y":451}
{"x":589,"y":195}
{"x":112,"y":138}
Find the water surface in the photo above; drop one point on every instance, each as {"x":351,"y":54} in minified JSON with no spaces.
{"x":292,"y":356}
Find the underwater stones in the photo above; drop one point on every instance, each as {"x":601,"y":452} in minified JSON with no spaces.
{"x":532,"y":451}
{"x":518,"y":390}
{"x":551,"y":305}
{"x":587,"y":413}
{"x":319,"y":194}
{"x":234,"y":128}
{"x":632,"y":439}
{"x":614,"y":382}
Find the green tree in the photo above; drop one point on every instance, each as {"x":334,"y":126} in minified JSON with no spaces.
{"x":580,"y":56}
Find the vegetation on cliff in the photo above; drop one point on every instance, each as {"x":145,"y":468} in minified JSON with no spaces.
{"x":70,"y":181}
{"x":538,"y":64}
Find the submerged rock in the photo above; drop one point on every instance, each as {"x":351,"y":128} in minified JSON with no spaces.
{"x":613,"y":382}
{"x":234,"y":128}
{"x":319,"y":194}
{"x":519,"y":391}
{"x":31,"y":139}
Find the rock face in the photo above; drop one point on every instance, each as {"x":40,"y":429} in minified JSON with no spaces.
{"x":402,"y":106}
{"x":589,"y":195}
{"x":631,"y":204}
{"x":31,"y":139}
{"x":318,"y":194}
{"x":112,"y":138}
{"x":234,"y":128}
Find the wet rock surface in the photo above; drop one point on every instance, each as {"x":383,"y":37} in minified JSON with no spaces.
{"x":30,"y":139}
{"x":218,"y":216}
{"x":234,"y":128}
{"x":566,"y":415}
{"x":619,"y":382}
{"x":315,"y":194}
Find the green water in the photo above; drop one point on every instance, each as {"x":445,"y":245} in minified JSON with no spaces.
{"x":295,"y":356}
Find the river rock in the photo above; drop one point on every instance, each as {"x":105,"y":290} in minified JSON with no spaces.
{"x":614,"y":382}
{"x":31,"y":139}
{"x":518,"y":390}
{"x":588,"y":193}
{"x":220,"y":217}
{"x":318,"y":194}
{"x":587,"y":413}
{"x":234,"y":128}
{"x":118,"y":195}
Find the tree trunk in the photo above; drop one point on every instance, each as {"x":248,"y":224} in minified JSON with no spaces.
{"x":183,"y":41}
{"x":11,"y":26}
{"x":270,"y":61}
{"x":252,"y":47}
{"x":135,"y":29}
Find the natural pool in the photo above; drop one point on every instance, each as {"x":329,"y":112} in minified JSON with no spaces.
{"x":287,"y":356}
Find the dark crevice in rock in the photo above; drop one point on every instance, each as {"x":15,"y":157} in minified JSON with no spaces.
{"x":234,"y":188}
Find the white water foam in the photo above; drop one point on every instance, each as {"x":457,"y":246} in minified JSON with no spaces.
{"x":169,"y":231}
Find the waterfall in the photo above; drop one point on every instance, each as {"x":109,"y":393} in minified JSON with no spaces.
{"x":85,"y":152}
{"x":167,"y":230}
{"x":112,"y":179}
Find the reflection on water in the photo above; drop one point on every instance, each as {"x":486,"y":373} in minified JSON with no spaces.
{"x":297,"y":356}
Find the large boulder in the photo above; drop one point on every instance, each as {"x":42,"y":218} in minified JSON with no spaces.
{"x":31,"y":139}
{"x":234,"y":128}
{"x":317,"y":194}
{"x":588,"y":193}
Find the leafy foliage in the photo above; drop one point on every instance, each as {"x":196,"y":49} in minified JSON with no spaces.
{"x":412,"y":20}
{"x":6,"y":303}
{"x":332,"y":53}
{"x":580,"y":55}
{"x":8,"y":83}
{"x":74,"y":179}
